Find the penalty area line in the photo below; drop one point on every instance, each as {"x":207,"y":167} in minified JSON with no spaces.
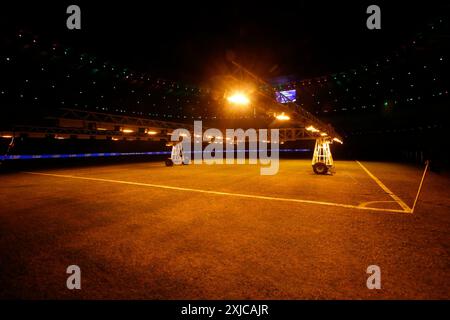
{"x":221,"y":193}
{"x":399,"y":201}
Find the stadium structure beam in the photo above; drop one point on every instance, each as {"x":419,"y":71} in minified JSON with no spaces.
{"x":298,"y":114}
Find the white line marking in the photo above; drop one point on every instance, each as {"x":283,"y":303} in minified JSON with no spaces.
{"x":387,"y":190}
{"x":218,"y":192}
{"x":364,"y":204}
{"x":420,"y":186}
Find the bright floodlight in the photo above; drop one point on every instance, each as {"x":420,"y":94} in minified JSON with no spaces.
{"x":282,"y":117}
{"x":239,"y":99}
{"x":312,"y":129}
{"x":337,"y":140}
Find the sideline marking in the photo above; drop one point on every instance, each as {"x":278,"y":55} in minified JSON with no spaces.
{"x":387,"y":190}
{"x":218,"y":192}
{"x":420,"y":186}
{"x":364,"y":204}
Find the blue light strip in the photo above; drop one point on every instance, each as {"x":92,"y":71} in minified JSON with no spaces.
{"x":115,"y":154}
{"x":79,"y":155}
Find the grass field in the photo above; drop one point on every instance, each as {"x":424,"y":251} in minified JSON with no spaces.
{"x":145,"y":231}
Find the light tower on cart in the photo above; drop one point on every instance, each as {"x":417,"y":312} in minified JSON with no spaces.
{"x":288,"y":110}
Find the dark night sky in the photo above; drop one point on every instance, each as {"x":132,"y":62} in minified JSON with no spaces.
{"x":379,"y":82}
{"x":190,"y":41}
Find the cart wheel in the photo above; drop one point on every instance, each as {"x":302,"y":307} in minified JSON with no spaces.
{"x":169,"y":163}
{"x":320,"y":168}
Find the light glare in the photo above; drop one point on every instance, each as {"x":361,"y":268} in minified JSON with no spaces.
{"x":239,"y":99}
{"x":312,"y":129}
{"x":282,"y":117}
